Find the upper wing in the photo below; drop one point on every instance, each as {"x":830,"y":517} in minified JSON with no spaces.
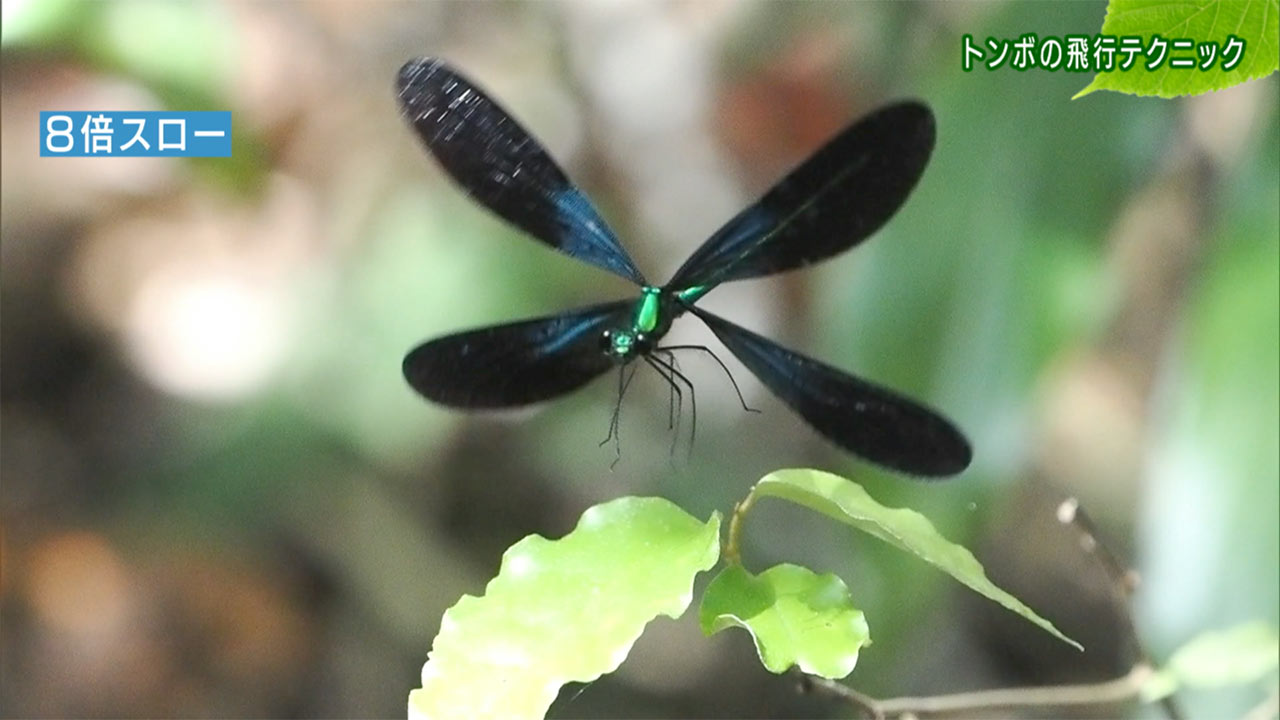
{"x":499,"y":164}
{"x":869,"y":421}
{"x":833,"y":201}
{"x":515,"y":364}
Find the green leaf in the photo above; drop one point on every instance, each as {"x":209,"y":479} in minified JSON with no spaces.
{"x":564,"y":610}
{"x":908,"y":530}
{"x":1257,"y":23}
{"x":1236,"y":656}
{"x":795,"y":616}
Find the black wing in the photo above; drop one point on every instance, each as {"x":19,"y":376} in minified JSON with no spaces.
{"x":838,"y":197}
{"x":499,"y":164}
{"x":869,"y":421}
{"x":515,"y":364}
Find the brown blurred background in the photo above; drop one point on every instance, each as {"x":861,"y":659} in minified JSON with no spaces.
{"x":220,"y":498}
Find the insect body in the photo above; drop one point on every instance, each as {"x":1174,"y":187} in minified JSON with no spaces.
{"x":650,"y":320}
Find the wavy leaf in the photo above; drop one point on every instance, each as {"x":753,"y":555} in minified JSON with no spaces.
{"x":564,"y":610}
{"x":795,"y":616}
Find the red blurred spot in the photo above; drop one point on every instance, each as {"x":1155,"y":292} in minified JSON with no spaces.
{"x":776,"y":117}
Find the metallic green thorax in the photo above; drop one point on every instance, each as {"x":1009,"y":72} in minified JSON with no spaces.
{"x":650,"y":320}
{"x":647,"y":310}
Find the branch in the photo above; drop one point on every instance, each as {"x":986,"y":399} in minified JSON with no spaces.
{"x":1108,"y":692}
{"x":1124,"y":582}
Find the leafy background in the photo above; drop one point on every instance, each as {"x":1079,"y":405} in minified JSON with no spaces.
{"x":220,"y":498}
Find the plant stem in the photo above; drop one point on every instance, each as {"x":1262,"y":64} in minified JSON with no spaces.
{"x":732,"y":548}
{"x":1108,"y":692}
{"x":1124,"y":582}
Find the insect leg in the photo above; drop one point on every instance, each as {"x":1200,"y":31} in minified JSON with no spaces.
{"x":724,"y":367}
{"x":615,"y":428}
{"x":676,"y":408}
{"x":675,"y":374}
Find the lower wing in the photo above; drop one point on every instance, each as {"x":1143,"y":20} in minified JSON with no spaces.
{"x":872,"y":422}
{"x":515,"y":364}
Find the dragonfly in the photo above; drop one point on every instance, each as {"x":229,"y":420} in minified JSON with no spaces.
{"x":831,"y":202}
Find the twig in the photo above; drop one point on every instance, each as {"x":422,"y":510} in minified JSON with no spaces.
{"x":1053,"y":696}
{"x":1124,"y":582}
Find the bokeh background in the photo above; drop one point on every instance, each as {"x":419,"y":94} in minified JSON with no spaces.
{"x":220,"y":498}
